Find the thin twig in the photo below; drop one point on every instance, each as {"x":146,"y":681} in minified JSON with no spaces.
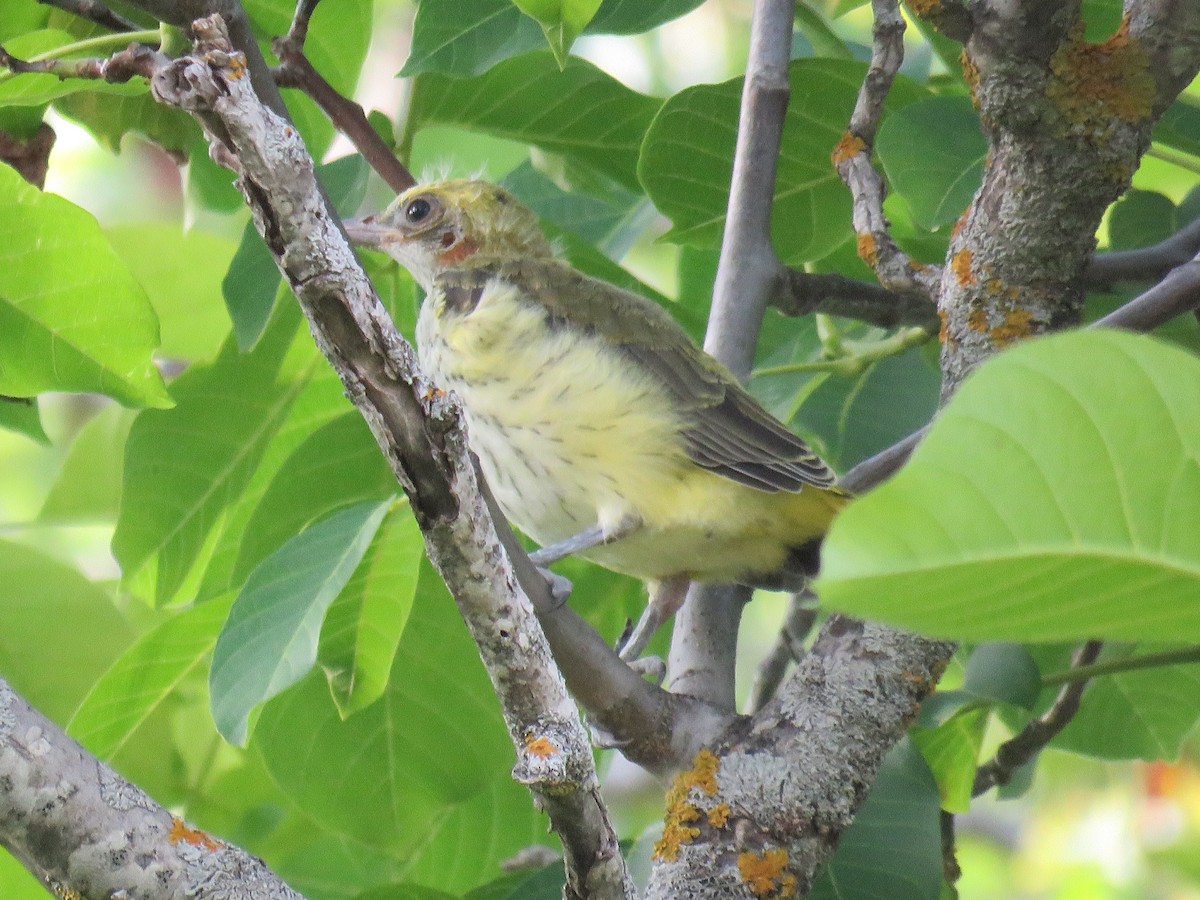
{"x":94,"y":11}
{"x":298,"y":32}
{"x":788,"y":648}
{"x":852,"y":158}
{"x":797,"y":293}
{"x":135,"y":60}
{"x":951,"y":871}
{"x":1034,"y":737}
{"x":1182,"y":656}
{"x":295,"y":70}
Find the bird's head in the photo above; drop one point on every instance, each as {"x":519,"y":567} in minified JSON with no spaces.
{"x":446,"y":224}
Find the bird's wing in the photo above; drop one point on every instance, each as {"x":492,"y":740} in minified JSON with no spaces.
{"x":727,"y":431}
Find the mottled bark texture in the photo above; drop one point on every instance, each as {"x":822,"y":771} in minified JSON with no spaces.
{"x":1067,"y":122}
{"x":86,"y":832}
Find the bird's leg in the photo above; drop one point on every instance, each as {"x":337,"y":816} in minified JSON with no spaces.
{"x":666,"y":597}
{"x":584,"y":540}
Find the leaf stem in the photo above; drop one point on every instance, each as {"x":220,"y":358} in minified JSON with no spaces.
{"x":1183,"y":160}
{"x":853,"y":362}
{"x":99,"y":43}
{"x":1128,"y":664}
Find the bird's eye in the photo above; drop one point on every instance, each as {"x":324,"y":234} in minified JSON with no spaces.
{"x":417,"y":210}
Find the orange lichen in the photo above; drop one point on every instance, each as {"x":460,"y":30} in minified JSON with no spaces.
{"x":923,"y":8}
{"x":848,"y":146}
{"x":181,"y":833}
{"x":1016,"y":326}
{"x":960,"y":223}
{"x":718,"y":816}
{"x":1094,"y":84}
{"x":970,"y":76}
{"x":867,"y":250}
{"x":916,"y":266}
{"x":237,"y":66}
{"x":960,"y":265}
{"x":765,"y":873}
{"x":978,"y":320}
{"x":677,"y":830}
{"x":541,"y":747}
{"x":944,"y":330}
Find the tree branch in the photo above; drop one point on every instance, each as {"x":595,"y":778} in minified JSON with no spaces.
{"x":852,"y":158}
{"x":1034,"y":737}
{"x":296,"y":71}
{"x":797,"y":293}
{"x":84,"y":831}
{"x":421,"y":435}
{"x":1144,"y":263}
{"x":704,"y":640}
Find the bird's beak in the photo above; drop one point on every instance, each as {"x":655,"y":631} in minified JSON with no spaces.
{"x":366,"y":232}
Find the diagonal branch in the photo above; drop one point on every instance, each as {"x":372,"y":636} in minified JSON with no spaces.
{"x":54,"y":795}
{"x":421,"y":435}
{"x":799,"y":293}
{"x":1150,"y":262}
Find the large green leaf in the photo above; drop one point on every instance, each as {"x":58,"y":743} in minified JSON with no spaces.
{"x":952,"y":752}
{"x":185,"y":466}
{"x":424,"y":767}
{"x":181,"y":274}
{"x":1138,"y":714}
{"x":1055,"y":498}
{"x":687,"y":159}
{"x":72,"y":317}
{"x":270,"y":640}
{"x":109,"y":118}
{"x":580,"y":111}
{"x":363,"y":627}
{"x":895,"y":839}
{"x":561,"y":21}
{"x":20,"y":414}
{"x":145,"y":675}
{"x":60,"y":631}
{"x":339,"y":463}
{"x":88,"y":486}
{"x":467,"y":37}
{"x":933,"y":153}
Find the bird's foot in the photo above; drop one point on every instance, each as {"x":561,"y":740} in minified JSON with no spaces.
{"x":560,"y":586}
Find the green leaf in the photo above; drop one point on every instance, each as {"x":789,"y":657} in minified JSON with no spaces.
{"x":72,"y":317}
{"x":109,"y":118}
{"x":811,"y":215}
{"x":37,"y":89}
{"x":145,"y":676}
{"x":88,"y":486}
{"x":339,"y":463}
{"x":20,"y":414}
{"x":541,"y":884}
{"x":895,"y":839}
{"x":952,"y":752}
{"x":1140,"y":714}
{"x":1179,"y":126}
{"x":932,"y":152}
{"x":422,"y":772}
{"x":636,"y":16}
{"x":60,"y":630}
{"x":561,"y":21}
{"x":185,"y":466}
{"x":1141,"y":218}
{"x":180,"y":273}
{"x":365,"y":623}
{"x":467,"y":37}
{"x":1037,"y":508}
{"x":1003,"y":673}
{"x":579,"y":111}
{"x":270,"y":640}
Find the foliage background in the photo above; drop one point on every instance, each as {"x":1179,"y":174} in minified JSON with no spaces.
{"x":375,"y":762}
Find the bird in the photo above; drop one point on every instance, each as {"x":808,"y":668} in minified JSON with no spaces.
{"x":600,"y":427}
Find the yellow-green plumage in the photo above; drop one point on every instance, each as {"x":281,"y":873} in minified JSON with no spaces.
{"x":588,"y":405}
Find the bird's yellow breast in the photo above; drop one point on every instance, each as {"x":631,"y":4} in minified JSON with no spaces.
{"x":570,"y":433}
